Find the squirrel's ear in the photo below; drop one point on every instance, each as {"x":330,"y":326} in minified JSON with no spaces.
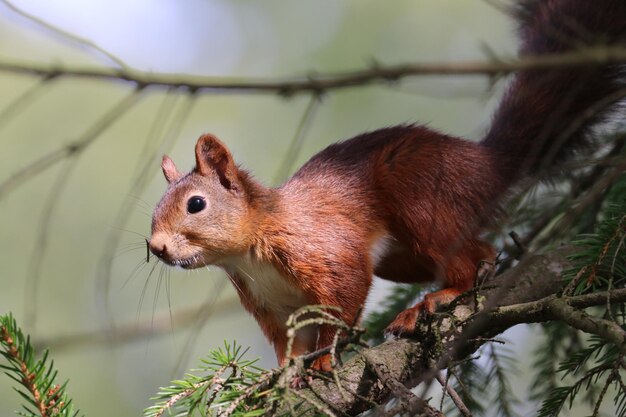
{"x":212,"y":156}
{"x":170,"y":171}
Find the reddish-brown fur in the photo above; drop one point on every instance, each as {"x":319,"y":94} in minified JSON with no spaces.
{"x":405,"y":203}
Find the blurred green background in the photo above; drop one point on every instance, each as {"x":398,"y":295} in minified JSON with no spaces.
{"x":66,"y":237}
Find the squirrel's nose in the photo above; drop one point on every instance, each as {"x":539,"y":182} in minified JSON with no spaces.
{"x":158,"y":245}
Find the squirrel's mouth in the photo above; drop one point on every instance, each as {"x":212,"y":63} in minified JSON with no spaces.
{"x":170,"y":254}
{"x":185,"y":263}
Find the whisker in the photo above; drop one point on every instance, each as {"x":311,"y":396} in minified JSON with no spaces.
{"x":157,"y":290}
{"x":135,"y":244}
{"x":239,"y":290}
{"x":168,"y":291}
{"x":139,"y":267}
{"x":129,"y":248}
{"x":139,"y":200}
{"x":145,"y":287}
{"x":132,"y":232}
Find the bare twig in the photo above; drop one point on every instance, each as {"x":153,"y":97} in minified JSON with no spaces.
{"x":31,"y":295}
{"x":134,"y":330}
{"x":298,"y":139}
{"x":593,"y":56}
{"x":454,"y":396}
{"x":19,"y":103}
{"x":72,"y":149}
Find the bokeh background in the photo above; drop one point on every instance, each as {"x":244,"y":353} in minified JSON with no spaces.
{"x":118,"y":340}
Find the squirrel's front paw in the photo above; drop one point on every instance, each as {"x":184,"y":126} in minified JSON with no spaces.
{"x":405,"y":322}
{"x":321,"y":364}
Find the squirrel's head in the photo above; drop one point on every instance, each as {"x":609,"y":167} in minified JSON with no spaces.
{"x":204,"y":216}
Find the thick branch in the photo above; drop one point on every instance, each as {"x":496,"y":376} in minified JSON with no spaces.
{"x":609,"y":330}
{"x":600,"y":55}
{"x":562,"y":308}
{"x":530,"y":297}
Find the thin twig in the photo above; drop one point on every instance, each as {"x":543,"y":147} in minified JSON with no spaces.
{"x":454,"y":396}
{"x":38,"y":255}
{"x":609,"y":380}
{"x":20,"y":102}
{"x":72,"y":149}
{"x":298,"y":140}
{"x":134,"y":330}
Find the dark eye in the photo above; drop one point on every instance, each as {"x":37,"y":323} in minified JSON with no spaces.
{"x":195,"y":204}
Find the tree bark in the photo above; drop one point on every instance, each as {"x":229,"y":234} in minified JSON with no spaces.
{"x":528,"y":293}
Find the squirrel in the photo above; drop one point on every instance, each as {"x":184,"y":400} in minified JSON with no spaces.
{"x":404,"y":203}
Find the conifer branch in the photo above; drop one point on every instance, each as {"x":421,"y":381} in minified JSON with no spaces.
{"x":44,"y":397}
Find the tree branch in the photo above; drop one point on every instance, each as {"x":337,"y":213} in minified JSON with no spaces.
{"x":444,"y":338}
{"x":598,"y":55}
{"x":559,"y":309}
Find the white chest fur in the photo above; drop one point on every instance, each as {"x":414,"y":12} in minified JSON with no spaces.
{"x":274,"y":292}
{"x":267,"y":286}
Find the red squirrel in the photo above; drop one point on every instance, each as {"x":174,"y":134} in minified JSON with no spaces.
{"x":404,"y":203}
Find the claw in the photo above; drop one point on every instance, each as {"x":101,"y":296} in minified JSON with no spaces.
{"x":299,"y":382}
{"x":404,"y":324}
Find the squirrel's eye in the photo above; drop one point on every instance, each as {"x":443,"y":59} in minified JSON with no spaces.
{"x":195,"y":204}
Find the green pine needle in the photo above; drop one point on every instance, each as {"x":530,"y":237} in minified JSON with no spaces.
{"x":42,"y":395}
{"x":226,"y":381}
{"x":573,"y":369}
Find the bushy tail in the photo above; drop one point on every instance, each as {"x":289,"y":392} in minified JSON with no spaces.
{"x":546,"y":115}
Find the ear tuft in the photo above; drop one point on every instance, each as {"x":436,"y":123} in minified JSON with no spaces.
{"x":170,"y":171}
{"x":213,"y":157}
